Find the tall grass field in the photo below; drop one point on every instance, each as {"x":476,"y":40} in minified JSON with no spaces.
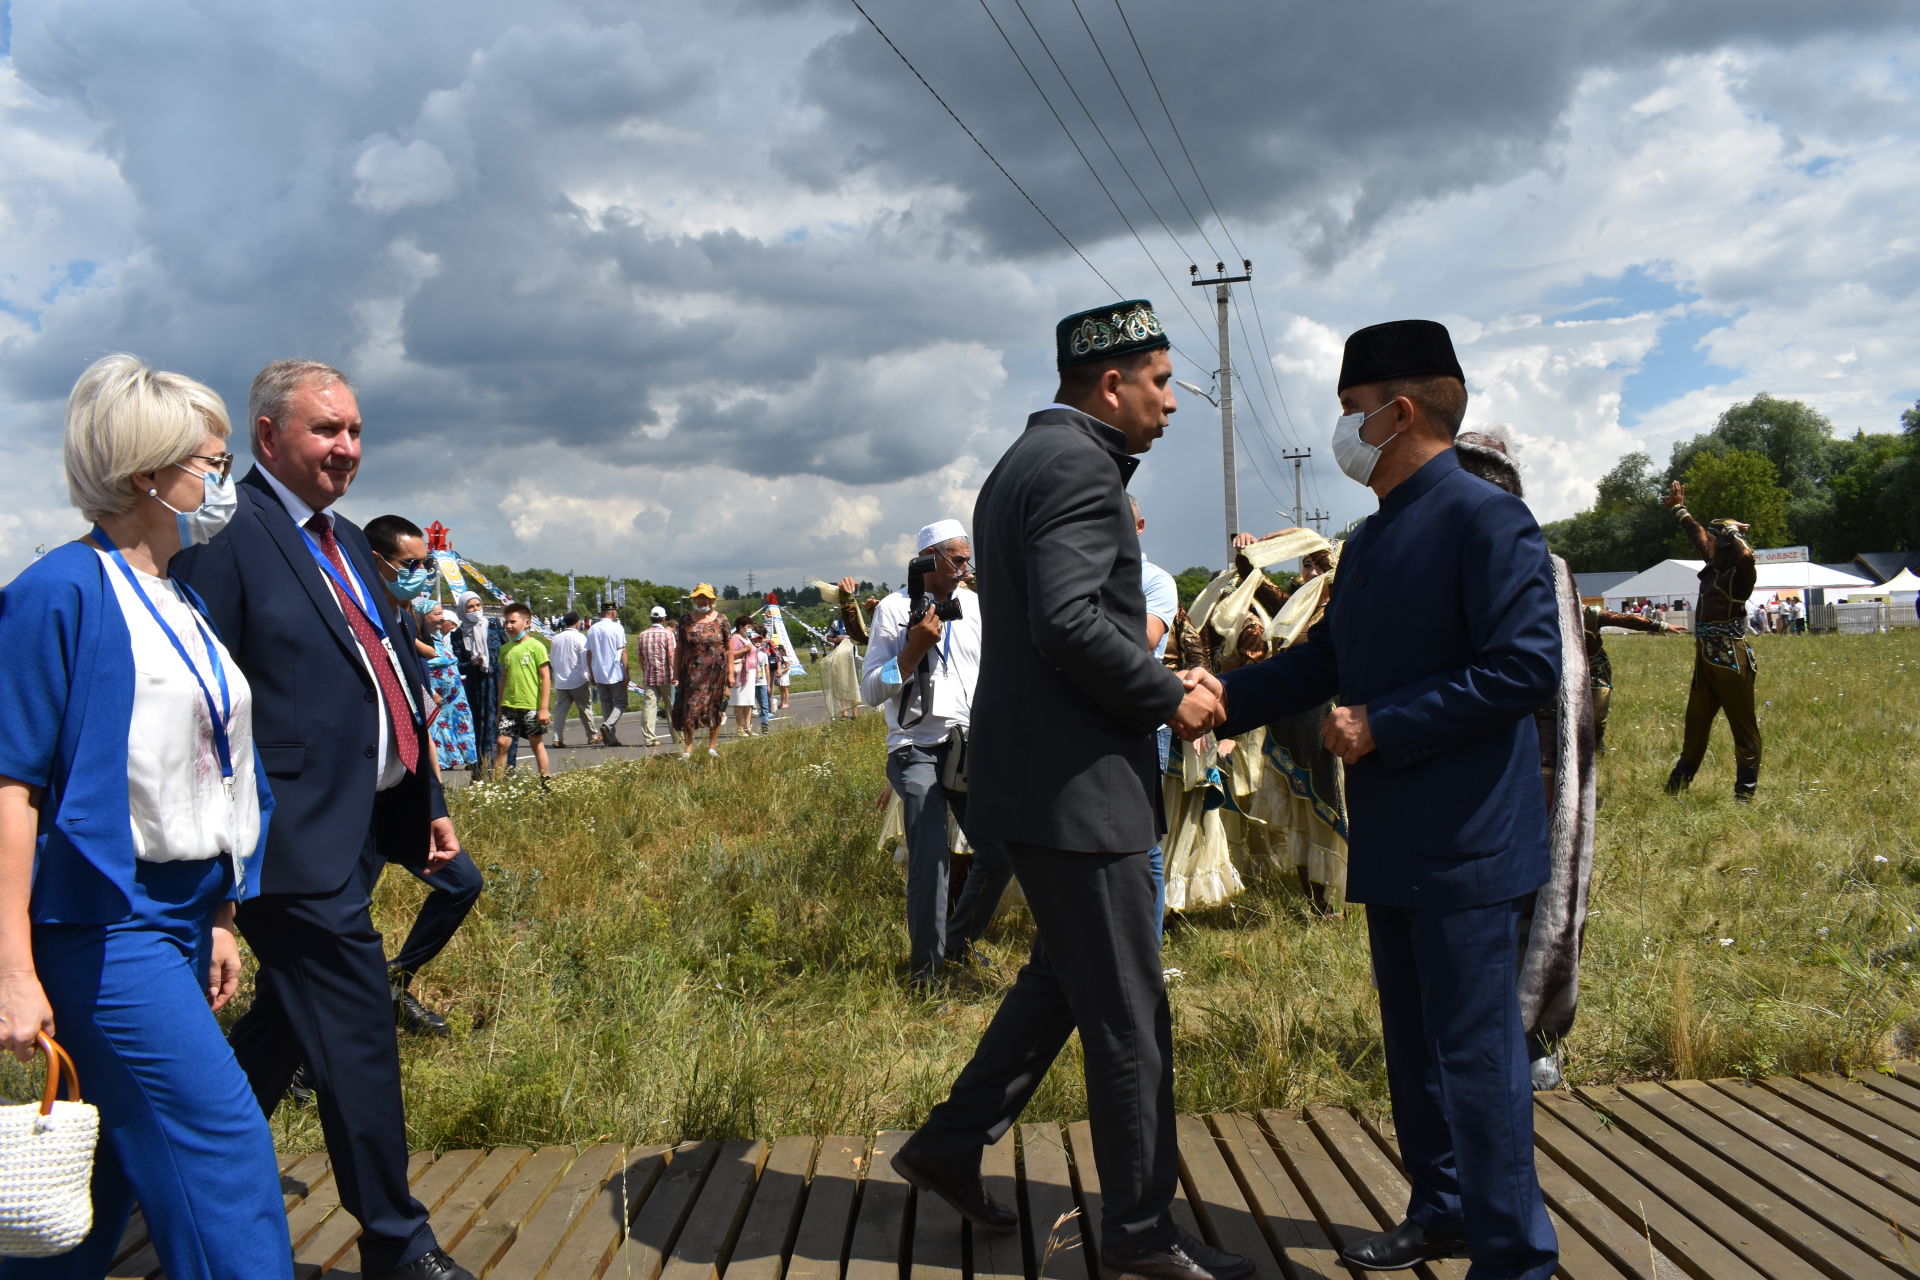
{"x":671,"y":950}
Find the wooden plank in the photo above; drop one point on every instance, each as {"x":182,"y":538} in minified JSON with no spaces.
{"x":1870,"y":1193}
{"x":1820,"y":1133}
{"x":880,"y":1222}
{"x":497,"y":1226}
{"x":714,"y":1223}
{"x":1578,"y":1255}
{"x":1843,"y":1114}
{"x":1853,"y":1093}
{"x":1890,"y":1088}
{"x":1087,"y":1173}
{"x":760,"y":1253}
{"x":1293,"y":1232}
{"x":1056,"y":1236}
{"x":1226,"y":1220}
{"x":652,"y":1191}
{"x":1578,"y":1212}
{"x":524,"y":1254}
{"x":822,"y":1239}
{"x":1907,"y":1073}
{"x":1803,"y":1211}
{"x":1339,"y":1207}
{"x":135,"y":1258}
{"x":1379,"y":1180}
{"x":488,"y":1176}
{"x":328,"y":1242}
{"x":998,"y":1257}
{"x":440,"y":1178}
{"x":1606,"y":1161}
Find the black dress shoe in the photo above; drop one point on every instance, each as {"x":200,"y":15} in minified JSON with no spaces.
{"x":958,"y":1186}
{"x":431,"y":1265}
{"x":410,"y":1015}
{"x":1182,"y":1258}
{"x":1402,"y":1247}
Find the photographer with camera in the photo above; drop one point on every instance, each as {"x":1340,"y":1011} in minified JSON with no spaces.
{"x":922,"y":662}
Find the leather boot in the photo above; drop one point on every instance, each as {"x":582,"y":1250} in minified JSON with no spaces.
{"x":1746,"y":781}
{"x":1677,"y":780}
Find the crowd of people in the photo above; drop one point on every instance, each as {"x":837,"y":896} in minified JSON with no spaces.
{"x":271,"y":696}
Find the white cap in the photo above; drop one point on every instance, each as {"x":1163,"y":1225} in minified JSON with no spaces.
{"x":938,"y":532}
{"x":658,"y":612}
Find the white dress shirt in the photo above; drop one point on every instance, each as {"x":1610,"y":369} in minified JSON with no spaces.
{"x":954,"y":664}
{"x":568,"y":658}
{"x":180,"y":807}
{"x":387,"y":751}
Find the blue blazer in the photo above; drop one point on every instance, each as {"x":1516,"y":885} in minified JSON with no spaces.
{"x":66,"y":690}
{"x":1442,"y":622}
{"x":315,"y":708}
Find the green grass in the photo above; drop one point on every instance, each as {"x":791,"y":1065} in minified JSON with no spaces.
{"x":669,"y":951}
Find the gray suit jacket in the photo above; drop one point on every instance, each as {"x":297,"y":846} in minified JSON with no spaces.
{"x":1062,"y":750}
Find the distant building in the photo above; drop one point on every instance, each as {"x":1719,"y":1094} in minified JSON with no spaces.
{"x":1593,"y":587}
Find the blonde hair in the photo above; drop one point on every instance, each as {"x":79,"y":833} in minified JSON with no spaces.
{"x":124,"y":418}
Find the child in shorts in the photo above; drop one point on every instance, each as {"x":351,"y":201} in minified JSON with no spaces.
{"x":526,"y":690}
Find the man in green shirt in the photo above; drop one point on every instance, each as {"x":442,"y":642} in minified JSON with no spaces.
{"x":526,"y":690}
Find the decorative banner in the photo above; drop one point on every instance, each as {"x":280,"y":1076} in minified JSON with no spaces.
{"x":481,"y":578}
{"x":449,"y":566}
{"x":777,"y":628}
{"x":1782,"y":555}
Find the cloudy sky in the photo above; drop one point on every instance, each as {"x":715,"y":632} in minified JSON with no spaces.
{"x":680,"y":291}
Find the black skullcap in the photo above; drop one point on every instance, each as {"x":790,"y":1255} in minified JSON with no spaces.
{"x":1106,"y":333}
{"x":1399,"y":349}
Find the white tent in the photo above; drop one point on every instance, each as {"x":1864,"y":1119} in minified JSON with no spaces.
{"x":1900,"y":590}
{"x":1680,"y":580}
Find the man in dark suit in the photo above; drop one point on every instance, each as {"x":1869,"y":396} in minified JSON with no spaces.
{"x":338,"y":694}
{"x":1439,"y":643}
{"x":1064,"y":774}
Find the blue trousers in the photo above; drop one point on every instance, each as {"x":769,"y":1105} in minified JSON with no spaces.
{"x":762,"y":698}
{"x":1457,"y":1071}
{"x":180,"y":1132}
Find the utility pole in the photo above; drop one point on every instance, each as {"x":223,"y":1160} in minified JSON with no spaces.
{"x":1220,"y":295}
{"x":1299,"y":519}
{"x":749,"y":584}
{"x":1317,"y":520}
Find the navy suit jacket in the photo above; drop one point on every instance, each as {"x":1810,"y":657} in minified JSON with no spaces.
{"x":315,"y":708}
{"x":1442,"y":622}
{"x":1061,"y":748}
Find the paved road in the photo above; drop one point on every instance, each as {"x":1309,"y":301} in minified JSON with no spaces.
{"x":807,"y":709}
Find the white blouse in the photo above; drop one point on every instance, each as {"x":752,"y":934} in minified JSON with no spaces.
{"x":182,"y":811}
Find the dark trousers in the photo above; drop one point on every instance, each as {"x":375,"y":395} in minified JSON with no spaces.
{"x":1095,"y":968}
{"x":1715,"y":689}
{"x":456,"y":887}
{"x":321,"y":996}
{"x":935,"y":934}
{"x":1457,"y":1070}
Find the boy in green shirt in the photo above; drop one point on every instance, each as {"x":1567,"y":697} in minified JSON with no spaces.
{"x":526,"y":690}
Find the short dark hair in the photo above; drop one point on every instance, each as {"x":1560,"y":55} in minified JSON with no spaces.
{"x":744,"y":620}
{"x":384,"y":533}
{"x":571,"y":618}
{"x":519,"y":608}
{"x":1441,"y":396}
{"x":1078,"y":381}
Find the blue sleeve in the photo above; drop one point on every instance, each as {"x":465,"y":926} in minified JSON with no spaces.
{"x":1294,"y":679}
{"x":1163,"y":597}
{"x":1514,"y":632}
{"x":39,"y":630}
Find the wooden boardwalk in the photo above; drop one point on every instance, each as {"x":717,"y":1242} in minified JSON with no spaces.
{"x":1816,"y":1177}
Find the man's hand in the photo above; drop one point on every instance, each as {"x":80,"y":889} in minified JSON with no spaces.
{"x":1347,"y":734}
{"x":1200,"y":712}
{"x":1241,"y":541}
{"x":442,"y":844}
{"x":223,"y":970}
{"x":1674,"y":628}
{"x":922,"y":637}
{"x":1201,"y":678}
{"x":1676,"y":495}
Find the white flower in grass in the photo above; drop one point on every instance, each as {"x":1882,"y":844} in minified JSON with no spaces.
{"x":1879,"y":857}
{"x":1726,"y":942}
{"x":1820,"y":932}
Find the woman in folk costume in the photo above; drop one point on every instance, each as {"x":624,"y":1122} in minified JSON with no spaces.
{"x":840,"y":670}
{"x":451,"y":729}
{"x":1552,"y":931}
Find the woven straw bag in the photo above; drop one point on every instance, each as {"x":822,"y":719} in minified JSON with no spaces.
{"x":46,"y":1166}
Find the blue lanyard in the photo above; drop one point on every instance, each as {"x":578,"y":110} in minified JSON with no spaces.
{"x":221,"y":716}
{"x":359,"y":599}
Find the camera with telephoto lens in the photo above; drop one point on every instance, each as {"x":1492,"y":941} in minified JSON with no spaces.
{"x":917,"y":570}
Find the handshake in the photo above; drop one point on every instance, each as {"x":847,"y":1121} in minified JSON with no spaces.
{"x":1204,"y":709}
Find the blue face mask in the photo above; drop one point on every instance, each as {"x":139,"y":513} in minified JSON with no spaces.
{"x":199,"y":526}
{"x":411,"y":584}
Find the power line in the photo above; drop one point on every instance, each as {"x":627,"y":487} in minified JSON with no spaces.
{"x":1153,"y":150}
{"x":1141,"y":54}
{"x":1104,"y":190}
{"x":983,"y":146}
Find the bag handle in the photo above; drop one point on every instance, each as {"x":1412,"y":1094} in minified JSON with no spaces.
{"x":57,"y":1062}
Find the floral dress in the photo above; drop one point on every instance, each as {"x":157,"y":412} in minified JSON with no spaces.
{"x":703,"y":679}
{"x":452,"y":728}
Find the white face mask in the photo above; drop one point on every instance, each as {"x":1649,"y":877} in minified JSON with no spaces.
{"x":202,"y":524}
{"x":1355,"y":456}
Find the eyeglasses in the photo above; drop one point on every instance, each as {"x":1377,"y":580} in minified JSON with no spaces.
{"x":222,"y":462}
{"x":414,"y":562}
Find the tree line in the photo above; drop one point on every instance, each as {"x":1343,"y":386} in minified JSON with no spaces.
{"x":1772,"y":463}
